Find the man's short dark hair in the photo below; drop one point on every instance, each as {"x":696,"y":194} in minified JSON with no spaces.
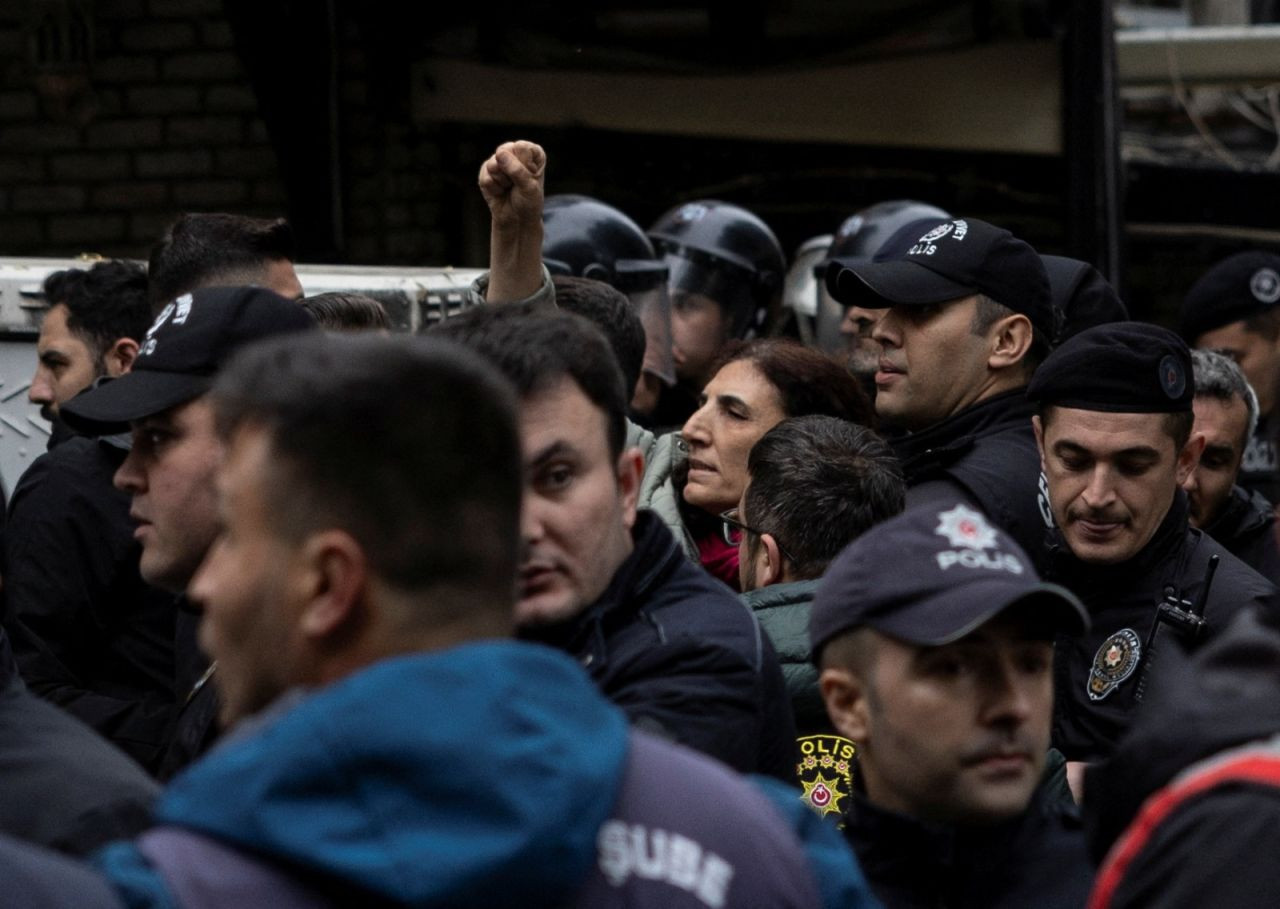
{"x":988,"y":312}
{"x":105,"y":302}
{"x":808,"y":381}
{"x":343,"y":311}
{"x":816,"y":484}
{"x":211,"y":249}
{"x":536,"y":348}
{"x":609,"y":310}
{"x":432,"y":497}
{"x":1176,"y":425}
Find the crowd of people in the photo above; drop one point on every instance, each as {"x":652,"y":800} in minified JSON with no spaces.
{"x":940,"y":582}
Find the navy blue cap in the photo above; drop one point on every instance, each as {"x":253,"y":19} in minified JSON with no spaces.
{"x":1120,"y":367}
{"x":1238,"y":287}
{"x":947,"y":260}
{"x":932,"y":575}
{"x":182,"y":352}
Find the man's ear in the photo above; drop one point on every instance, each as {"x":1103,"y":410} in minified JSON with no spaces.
{"x":1038,"y":428}
{"x":845,"y":695}
{"x":331,"y":584}
{"x":1011,"y":339}
{"x":118,"y":358}
{"x":630,"y":471}
{"x":1189,"y":457}
{"x":769,"y":565}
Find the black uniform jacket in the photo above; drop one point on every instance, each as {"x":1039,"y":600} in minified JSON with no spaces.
{"x":1218,"y":848}
{"x":1096,"y":675}
{"x":1036,"y":859}
{"x":683,"y":657}
{"x":61,"y":784}
{"x":1260,"y":469}
{"x":987,"y":455}
{"x":88,"y":633}
{"x":1246,"y":527}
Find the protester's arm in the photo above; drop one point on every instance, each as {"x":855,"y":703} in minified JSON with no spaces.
{"x":511,"y":182}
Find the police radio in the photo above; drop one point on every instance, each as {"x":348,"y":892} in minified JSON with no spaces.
{"x":1185,"y":618}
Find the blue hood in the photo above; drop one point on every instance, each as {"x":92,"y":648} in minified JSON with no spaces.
{"x":453,"y":778}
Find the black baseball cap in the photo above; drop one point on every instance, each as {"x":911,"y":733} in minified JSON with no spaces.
{"x":182,"y":352}
{"x":1081,"y":296}
{"x":932,"y":575}
{"x":1120,"y":367}
{"x":947,"y":260}
{"x":1238,"y":287}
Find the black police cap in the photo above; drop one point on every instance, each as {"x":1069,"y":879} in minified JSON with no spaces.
{"x":1120,"y":367}
{"x":949,"y":259}
{"x":1238,"y":287}
{"x":932,"y":575}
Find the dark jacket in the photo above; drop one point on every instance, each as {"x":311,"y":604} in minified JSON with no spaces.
{"x":1246,"y":527}
{"x":1260,"y":468}
{"x":1218,"y":847}
{"x":61,"y":784}
{"x":195,"y":723}
{"x":1037,"y":859}
{"x":683,"y":657}
{"x":88,"y":633}
{"x":986,"y":455}
{"x":1096,"y":676}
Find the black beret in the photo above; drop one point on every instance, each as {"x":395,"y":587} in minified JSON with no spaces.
{"x":1239,"y":287}
{"x":1120,"y":367}
{"x":1082,"y":296}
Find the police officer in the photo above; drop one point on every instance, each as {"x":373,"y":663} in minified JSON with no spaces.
{"x":847,"y":329}
{"x":966,"y":316}
{"x":1226,"y":412}
{"x":1082,"y":298}
{"x":934,"y":639}
{"x":725,"y":281}
{"x":1232,"y":309}
{"x":585,"y":238}
{"x":1114,"y":432}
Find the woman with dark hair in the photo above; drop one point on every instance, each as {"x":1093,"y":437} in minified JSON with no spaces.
{"x":702,"y":471}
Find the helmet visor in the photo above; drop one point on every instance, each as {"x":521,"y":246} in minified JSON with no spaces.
{"x":729,"y":287}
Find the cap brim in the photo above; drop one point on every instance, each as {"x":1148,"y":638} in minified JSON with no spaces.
{"x":941,"y":620}
{"x":879,"y":285}
{"x":112,"y":406}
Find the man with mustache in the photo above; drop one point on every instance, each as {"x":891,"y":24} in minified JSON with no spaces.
{"x":1114,"y":428}
{"x":934,"y":640}
{"x":963,"y":316}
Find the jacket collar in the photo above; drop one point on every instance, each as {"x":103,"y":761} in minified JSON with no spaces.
{"x":956,"y":434}
{"x":787,"y":594}
{"x":1244,"y":514}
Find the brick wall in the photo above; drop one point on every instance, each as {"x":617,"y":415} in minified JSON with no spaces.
{"x":168,"y":123}
{"x":165,"y":124}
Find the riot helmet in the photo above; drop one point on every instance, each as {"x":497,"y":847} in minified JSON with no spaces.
{"x":726,"y":253}
{"x":587,"y":238}
{"x":800,"y":289}
{"x":859,"y":239}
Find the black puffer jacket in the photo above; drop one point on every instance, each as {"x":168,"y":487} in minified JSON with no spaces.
{"x":683,"y":657}
{"x":1246,"y":527}
{"x":1218,"y":847}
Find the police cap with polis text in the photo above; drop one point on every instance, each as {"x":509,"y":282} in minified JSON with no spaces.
{"x":182,"y":352}
{"x":949,"y":259}
{"x":1120,"y":367}
{"x":1239,"y":287}
{"x":932,"y":575}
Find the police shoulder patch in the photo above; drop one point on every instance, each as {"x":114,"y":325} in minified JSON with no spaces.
{"x":1114,"y":662}
{"x":825,"y":772}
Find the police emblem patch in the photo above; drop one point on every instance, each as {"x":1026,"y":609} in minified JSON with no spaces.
{"x":937,"y":233}
{"x":692,"y":212}
{"x":1173,"y":378}
{"x":1265,"y":285}
{"x":825,"y":772}
{"x":965,"y":527}
{"x":1114,"y":662}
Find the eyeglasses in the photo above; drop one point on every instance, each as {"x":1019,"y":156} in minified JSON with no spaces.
{"x":731,"y":530}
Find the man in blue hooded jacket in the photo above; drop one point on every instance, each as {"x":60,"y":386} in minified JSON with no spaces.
{"x":384,"y":747}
